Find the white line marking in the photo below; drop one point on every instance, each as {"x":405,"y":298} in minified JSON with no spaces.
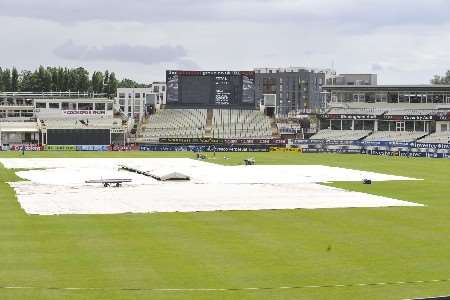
{"x":222,"y":289}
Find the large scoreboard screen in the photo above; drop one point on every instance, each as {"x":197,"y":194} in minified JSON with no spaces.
{"x":225,"y":88}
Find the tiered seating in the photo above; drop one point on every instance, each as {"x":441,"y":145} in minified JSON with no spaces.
{"x":19,"y":126}
{"x":348,"y":135}
{"x":396,"y":136}
{"x":240,"y":123}
{"x":180,"y":123}
{"x":442,"y":137}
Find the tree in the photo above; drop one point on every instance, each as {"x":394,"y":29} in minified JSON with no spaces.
{"x":6,"y":80}
{"x":128,"y":83}
{"x":441,"y":80}
{"x":112,"y":85}
{"x":14,"y":80}
{"x":1,"y":80}
{"x":26,"y":81}
{"x":82,"y":79}
{"x":46,"y":79}
{"x":97,"y":82}
{"x":106,"y":82}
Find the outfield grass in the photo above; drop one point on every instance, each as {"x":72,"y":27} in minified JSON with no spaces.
{"x":238,"y":249}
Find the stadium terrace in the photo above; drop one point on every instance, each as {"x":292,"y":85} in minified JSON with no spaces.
{"x":217,"y":108}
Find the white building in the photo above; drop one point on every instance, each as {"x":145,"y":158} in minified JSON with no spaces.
{"x":136,"y":103}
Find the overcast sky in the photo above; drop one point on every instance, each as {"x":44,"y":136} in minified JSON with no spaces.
{"x":404,"y":41}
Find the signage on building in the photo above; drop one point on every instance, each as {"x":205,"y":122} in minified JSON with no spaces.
{"x":348,"y":116}
{"x":408,"y":117}
{"x":84,"y":112}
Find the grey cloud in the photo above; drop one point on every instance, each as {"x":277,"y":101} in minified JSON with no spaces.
{"x":355,"y":15}
{"x":122,"y":53}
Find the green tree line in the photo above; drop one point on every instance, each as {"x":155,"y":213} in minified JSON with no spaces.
{"x":58,"y":79}
{"x":441,"y":79}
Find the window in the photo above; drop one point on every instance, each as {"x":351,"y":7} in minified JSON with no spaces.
{"x":336,"y":124}
{"x":86,"y":106}
{"x":137,"y":95}
{"x":368,"y":125}
{"x":324,"y":124}
{"x":392,"y":98}
{"x":163,"y":88}
{"x":100,"y":106}
{"x":53,"y":105}
{"x":346,"y":124}
{"x":358,"y":125}
{"x":65,"y":105}
{"x":109,"y":106}
{"x":420,"y":126}
{"x":121,"y":95}
{"x":156,"y":89}
{"x":381,"y":98}
{"x":41,"y":105}
{"x":409,"y":126}
{"x":383,"y":125}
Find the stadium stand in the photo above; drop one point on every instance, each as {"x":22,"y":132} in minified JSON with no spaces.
{"x":169,"y":123}
{"x":396,"y":136}
{"x":437,"y":137}
{"x":240,"y":123}
{"x":348,"y":135}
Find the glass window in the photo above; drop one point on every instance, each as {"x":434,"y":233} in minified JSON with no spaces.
{"x":381,"y":98}
{"x":409,"y":126}
{"x":137,"y":95}
{"x":85,"y":106}
{"x":121,"y":95}
{"x":53,"y":105}
{"x":100,"y":106}
{"x":41,"y":105}
{"x":368,"y":125}
{"x":336,"y":124}
{"x":414,"y":98}
{"x":65,"y":105}
{"x":347,"y":125}
{"x":358,"y":125}
{"x":383,"y":126}
{"x":324,"y":124}
{"x":420,"y":126}
{"x":392,"y":97}
{"x":404,"y":98}
{"x":109,"y":106}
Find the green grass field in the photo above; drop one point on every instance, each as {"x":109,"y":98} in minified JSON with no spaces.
{"x":119,"y":255}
